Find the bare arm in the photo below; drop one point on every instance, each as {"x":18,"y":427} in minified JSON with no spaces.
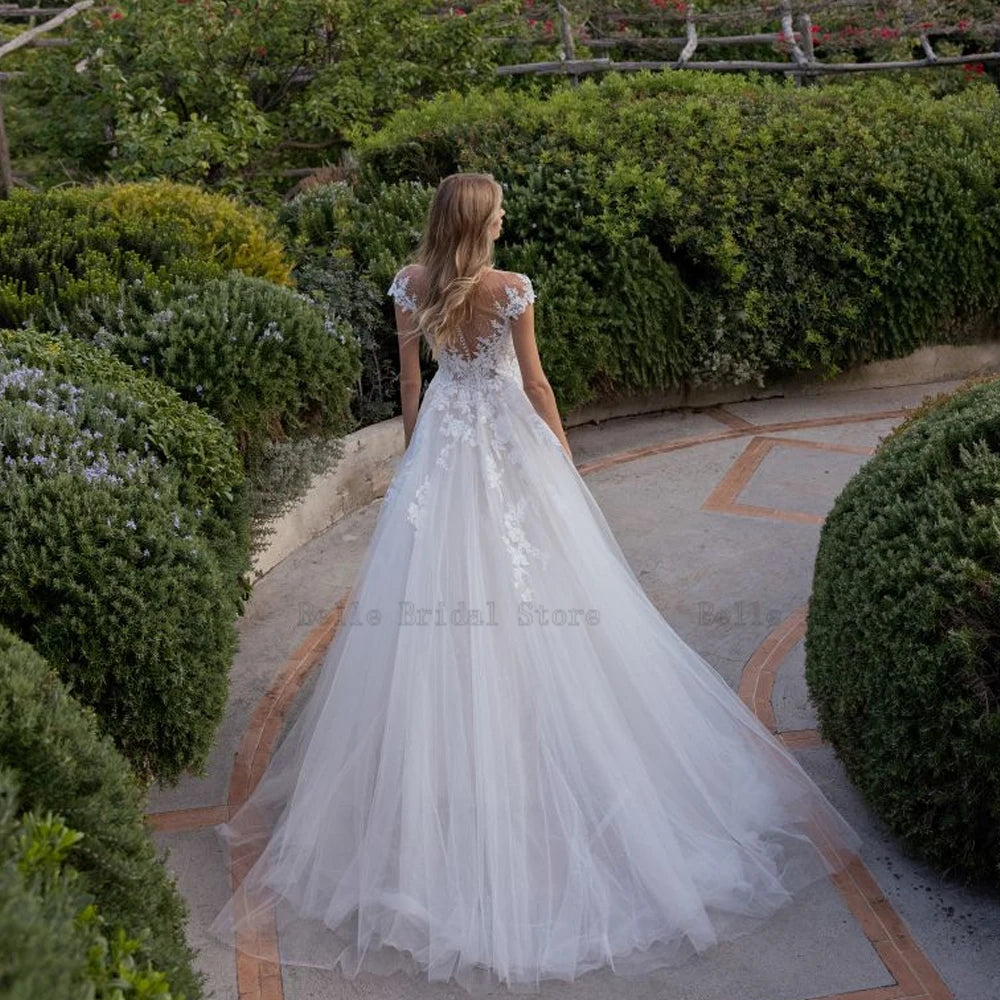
{"x":536,"y":384}
{"x":409,"y":372}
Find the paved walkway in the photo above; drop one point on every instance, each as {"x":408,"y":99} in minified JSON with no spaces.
{"x":718,"y":511}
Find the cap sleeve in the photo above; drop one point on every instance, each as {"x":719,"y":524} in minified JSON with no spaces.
{"x":400,"y":290}
{"x":520,"y":294}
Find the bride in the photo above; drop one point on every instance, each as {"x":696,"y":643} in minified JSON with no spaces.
{"x":511,"y":767}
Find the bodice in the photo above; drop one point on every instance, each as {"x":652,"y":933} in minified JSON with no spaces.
{"x":494,"y":357}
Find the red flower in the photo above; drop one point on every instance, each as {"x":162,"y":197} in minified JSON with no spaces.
{"x":548,"y":26}
{"x":459,"y":11}
{"x":116,"y":15}
{"x":262,"y":51}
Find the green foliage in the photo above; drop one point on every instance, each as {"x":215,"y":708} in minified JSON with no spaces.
{"x":61,"y":248}
{"x":187,"y":437}
{"x":236,"y":93}
{"x":349,"y":244}
{"x":614,"y":305}
{"x":84,"y":898}
{"x":267,"y":361}
{"x":902,"y":646}
{"x":797,"y":228}
{"x":206,"y":225}
{"x":127,"y":591}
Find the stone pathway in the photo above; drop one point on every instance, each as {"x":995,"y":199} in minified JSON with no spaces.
{"x":718,"y":510}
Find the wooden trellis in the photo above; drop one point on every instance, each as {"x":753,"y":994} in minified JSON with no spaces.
{"x":804,"y":64}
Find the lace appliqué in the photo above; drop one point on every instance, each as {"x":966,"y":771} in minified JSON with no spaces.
{"x":400,"y":291}
{"x":518,"y":299}
{"x":469,"y":393}
{"x":418,"y":505}
{"x":519,"y":548}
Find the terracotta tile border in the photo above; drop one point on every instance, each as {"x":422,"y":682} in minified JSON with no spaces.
{"x":676,"y":444}
{"x":916,"y":978}
{"x":260,"y":978}
{"x":724,"y":497}
{"x":183,"y":820}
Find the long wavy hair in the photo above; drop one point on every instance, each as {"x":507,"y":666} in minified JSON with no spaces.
{"x":456,"y":251}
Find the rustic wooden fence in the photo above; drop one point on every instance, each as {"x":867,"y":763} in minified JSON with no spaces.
{"x":803,"y":63}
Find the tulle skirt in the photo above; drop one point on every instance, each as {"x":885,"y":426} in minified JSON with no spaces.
{"x":511,"y":768}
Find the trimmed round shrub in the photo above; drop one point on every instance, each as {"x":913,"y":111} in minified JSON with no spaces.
{"x":186,"y":436}
{"x":62,"y":247}
{"x":263,"y":359}
{"x":903,"y":646}
{"x":127,"y":591}
{"x":51,"y":750}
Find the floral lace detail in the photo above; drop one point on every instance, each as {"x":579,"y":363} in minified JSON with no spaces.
{"x":399,"y":290}
{"x":468,"y":391}
{"x":519,"y":548}
{"x":418,"y":506}
{"x":518,"y":299}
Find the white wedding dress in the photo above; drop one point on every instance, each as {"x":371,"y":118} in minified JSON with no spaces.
{"x":511,"y":767}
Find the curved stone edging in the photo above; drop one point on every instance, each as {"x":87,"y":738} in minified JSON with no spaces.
{"x":370,"y":453}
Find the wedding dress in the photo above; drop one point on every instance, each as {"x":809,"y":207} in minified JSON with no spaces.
{"x":511,"y":767}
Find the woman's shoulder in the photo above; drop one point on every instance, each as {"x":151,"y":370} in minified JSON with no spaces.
{"x":518,"y":292}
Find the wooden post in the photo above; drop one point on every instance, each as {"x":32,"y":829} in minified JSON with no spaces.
{"x":805,"y":30}
{"x":569,"y":50}
{"x":692,"y":38}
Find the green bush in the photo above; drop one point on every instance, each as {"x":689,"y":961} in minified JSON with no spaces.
{"x":798,"y":228}
{"x":235,"y":95}
{"x":127,"y":591}
{"x":186,"y":436}
{"x":61,"y":248}
{"x":348,"y":247}
{"x":56,"y":942}
{"x":50,"y":746}
{"x":268,"y":362}
{"x":902,"y":645}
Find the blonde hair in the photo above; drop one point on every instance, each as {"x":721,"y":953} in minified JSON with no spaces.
{"x":456,"y":251}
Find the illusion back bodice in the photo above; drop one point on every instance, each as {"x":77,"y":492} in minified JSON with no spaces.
{"x":487,"y":348}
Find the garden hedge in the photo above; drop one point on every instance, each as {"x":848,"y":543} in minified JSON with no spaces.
{"x":265,"y":360}
{"x":902,"y":645}
{"x":792,"y":228}
{"x":119,"y":561}
{"x":52,"y":751}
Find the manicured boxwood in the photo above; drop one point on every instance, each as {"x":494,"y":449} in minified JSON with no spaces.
{"x":52,"y":751}
{"x":902,"y":645}
{"x":130,"y":592}
{"x":61,"y":247}
{"x":266,"y":360}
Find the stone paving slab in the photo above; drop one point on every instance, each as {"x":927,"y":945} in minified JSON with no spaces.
{"x":718,"y":511}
